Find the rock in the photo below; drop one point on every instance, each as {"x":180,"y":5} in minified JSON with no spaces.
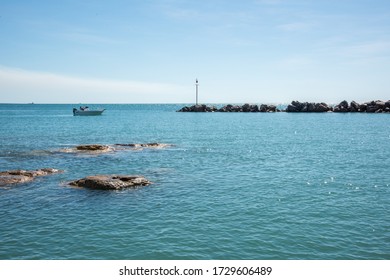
{"x":93,"y":148}
{"x":24,"y":176}
{"x":291,"y":109}
{"x":246,"y":108}
{"x":198,"y":108}
{"x":14,"y":179}
{"x":254,"y":108}
{"x":377,"y":106}
{"x":271,"y":109}
{"x":363,"y":107}
{"x":184,"y":109}
{"x":88,"y":149}
{"x":309,"y":107}
{"x":111,"y":182}
{"x":354,"y":106}
{"x":342,"y":107}
{"x":322,"y":107}
{"x":145,"y":145}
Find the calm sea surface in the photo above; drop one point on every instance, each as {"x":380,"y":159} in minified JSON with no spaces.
{"x":233,"y":186}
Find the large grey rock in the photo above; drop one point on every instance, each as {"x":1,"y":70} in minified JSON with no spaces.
{"x":111,"y":182}
{"x":354,"y":106}
{"x":343,"y":107}
{"x":309,"y":107}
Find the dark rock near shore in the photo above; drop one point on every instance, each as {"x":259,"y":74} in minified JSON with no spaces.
{"x":24,"y":176}
{"x":111,"y":182}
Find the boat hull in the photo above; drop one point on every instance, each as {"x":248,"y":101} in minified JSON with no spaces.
{"x":88,"y":113}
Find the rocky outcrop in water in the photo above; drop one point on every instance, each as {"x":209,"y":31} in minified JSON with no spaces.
{"x":145,"y":145}
{"x":24,"y":176}
{"x":111,"y":182}
{"x":96,"y":149}
{"x":93,"y":148}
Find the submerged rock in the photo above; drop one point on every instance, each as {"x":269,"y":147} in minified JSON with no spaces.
{"x":145,"y":145}
{"x":111,"y":182}
{"x":93,"y":147}
{"x":96,"y":149}
{"x":89,"y":149}
{"x":24,"y":176}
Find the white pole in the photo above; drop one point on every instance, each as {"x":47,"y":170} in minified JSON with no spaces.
{"x":196,"y":91}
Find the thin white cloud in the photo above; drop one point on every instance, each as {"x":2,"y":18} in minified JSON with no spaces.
{"x":295,"y":26}
{"x":19,"y":85}
{"x":368,"y":48}
{"x":269,"y":2}
{"x":86,"y":38}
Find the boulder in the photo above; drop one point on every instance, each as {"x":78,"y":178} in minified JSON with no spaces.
{"x":184,"y":109}
{"x":343,"y":107}
{"x":292,"y":109}
{"x":271,"y":109}
{"x":111,"y":182}
{"x":376,"y":106}
{"x":363,"y":107}
{"x":254,"y":108}
{"x":309,"y":107}
{"x":24,"y":176}
{"x":354,"y":106}
{"x":246,"y":107}
{"x":322,"y":107}
{"x":263,"y":108}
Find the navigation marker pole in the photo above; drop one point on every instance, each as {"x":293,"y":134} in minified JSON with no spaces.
{"x":197,"y":84}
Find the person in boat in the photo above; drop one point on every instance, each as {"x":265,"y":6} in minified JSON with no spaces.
{"x":82,"y":108}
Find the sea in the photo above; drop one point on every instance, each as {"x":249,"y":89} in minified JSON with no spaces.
{"x":242,"y":186}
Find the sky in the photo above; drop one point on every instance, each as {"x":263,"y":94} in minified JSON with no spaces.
{"x":151,"y":51}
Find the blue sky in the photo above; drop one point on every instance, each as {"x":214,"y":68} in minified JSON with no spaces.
{"x":259,"y":51}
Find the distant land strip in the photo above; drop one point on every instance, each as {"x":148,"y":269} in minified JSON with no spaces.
{"x":297,"y":107}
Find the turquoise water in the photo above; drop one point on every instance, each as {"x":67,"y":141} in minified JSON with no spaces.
{"x":233,"y":186}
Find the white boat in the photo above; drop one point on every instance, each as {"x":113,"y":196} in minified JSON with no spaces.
{"x":85,"y":111}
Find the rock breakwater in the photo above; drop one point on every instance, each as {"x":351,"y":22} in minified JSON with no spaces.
{"x":254,"y":108}
{"x":297,"y":107}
